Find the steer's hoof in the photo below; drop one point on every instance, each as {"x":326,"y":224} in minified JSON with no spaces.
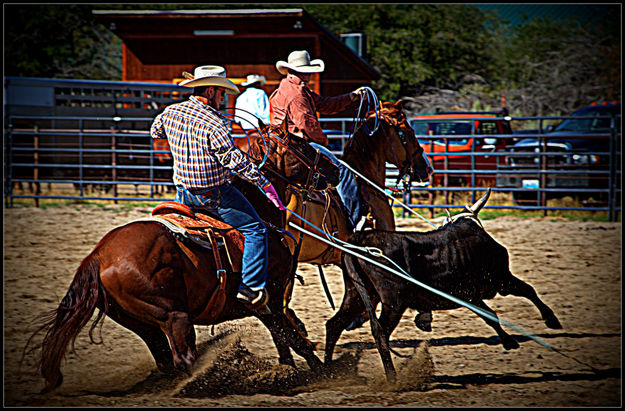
{"x":423,"y":321}
{"x":510,"y":343}
{"x":553,"y":323}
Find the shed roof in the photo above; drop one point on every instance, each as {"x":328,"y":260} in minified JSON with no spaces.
{"x":157,"y":35}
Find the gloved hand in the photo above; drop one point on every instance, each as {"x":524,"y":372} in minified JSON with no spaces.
{"x":271,"y":194}
{"x":358,"y":92}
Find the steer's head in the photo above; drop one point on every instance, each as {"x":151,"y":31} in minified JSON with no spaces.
{"x":472,"y":211}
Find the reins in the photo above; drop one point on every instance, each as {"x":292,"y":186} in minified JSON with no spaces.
{"x":314,"y":173}
{"x":378,"y":117}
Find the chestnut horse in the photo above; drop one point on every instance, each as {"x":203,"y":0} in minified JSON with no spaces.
{"x":394,"y":142}
{"x":158,"y":286}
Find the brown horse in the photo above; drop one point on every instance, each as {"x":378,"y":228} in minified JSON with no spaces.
{"x":147,"y":280}
{"x":393,"y":142}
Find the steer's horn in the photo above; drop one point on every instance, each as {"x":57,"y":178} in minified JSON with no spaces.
{"x":475,"y":208}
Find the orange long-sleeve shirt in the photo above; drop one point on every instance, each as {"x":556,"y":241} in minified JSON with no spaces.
{"x":301,"y":104}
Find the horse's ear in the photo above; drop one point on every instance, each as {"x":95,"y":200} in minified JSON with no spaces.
{"x":399,"y":104}
{"x":256,"y":147}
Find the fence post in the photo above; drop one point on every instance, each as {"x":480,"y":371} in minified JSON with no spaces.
{"x":114,"y":161}
{"x":36,"y":161}
{"x":80,"y":157}
{"x":612,"y":175}
{"x":8,"y":169}
{"x":542,"y":195}
{"x":473,"y":153}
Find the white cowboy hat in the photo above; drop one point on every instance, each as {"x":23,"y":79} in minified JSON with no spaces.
{"x":254,"y":78}
{"x":209,"y":76}
{"x":299,"y":61}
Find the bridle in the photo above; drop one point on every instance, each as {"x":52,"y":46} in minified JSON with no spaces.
{"x":404,"y":132}
{"x":283,"y":138}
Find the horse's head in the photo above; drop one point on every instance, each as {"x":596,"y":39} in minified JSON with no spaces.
{"x":403,"y":148}
{"x":295,"y":159}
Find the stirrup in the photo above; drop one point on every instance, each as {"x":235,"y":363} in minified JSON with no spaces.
{"x":254,"y":300}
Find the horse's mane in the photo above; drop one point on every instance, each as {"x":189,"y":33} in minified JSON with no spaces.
{"x":366,"y":143}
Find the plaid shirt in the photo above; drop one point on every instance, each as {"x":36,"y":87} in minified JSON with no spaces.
{"x":203,"y":150}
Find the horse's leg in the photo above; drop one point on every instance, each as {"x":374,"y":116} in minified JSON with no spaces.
{"x":351,"y":307}
{"x":520,"y":288}
{"x":290,"y":314}
{"x":507,"y":341}
{"x":181,"y":335}
{"x":285,"y":335}
{"x":153,"y":337}
{"x":381,"y":338}
{"x":153,"y":307}
{"x":279,"y":340}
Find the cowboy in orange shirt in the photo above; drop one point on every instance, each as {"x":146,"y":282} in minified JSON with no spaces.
{"x":294,"y":100}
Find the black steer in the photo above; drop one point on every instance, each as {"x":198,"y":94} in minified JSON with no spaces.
{"x":459,"y":258}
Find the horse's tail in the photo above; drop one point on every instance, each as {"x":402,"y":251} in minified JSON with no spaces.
{"x":63,"y":324}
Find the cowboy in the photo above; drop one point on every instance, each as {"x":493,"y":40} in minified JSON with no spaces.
{"x":205,"y":158}
{"x":252,"y":104}
{"x":293,"y":99}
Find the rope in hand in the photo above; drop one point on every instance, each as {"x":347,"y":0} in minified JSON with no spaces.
{"x":372,"y":104}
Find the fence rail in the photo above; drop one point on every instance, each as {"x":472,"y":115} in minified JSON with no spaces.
{"x":113,"y":158}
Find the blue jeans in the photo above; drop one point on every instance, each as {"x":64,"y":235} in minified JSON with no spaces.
{"x":233,"y":208}
{"x":347,"y":188}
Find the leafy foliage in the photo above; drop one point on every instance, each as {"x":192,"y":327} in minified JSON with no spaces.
{"x":59,"y":41}
{"x":431,"y":55}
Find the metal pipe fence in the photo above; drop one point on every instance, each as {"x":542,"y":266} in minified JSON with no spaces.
{"x":102,"y":158}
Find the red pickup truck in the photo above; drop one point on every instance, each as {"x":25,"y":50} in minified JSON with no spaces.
{"x":466,"y":142}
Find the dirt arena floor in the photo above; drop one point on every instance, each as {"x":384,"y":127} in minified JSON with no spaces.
{"x":575,"y":267}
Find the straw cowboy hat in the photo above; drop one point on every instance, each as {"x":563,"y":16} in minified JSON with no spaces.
{"x":253,"y":78}
{"x":299,"y":61}
{"x":209,"y":76}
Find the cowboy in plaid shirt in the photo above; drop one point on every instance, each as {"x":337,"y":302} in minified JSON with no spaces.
{"x":205,"y":159}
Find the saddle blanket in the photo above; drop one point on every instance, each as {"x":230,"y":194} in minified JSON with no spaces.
{"x":199,"y":228}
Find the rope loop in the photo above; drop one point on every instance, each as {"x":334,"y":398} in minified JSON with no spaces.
{"x":368,"y":102}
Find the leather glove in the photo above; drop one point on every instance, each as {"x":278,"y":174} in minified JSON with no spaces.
{"x":271,"y":194}
{"x":358,"y":92}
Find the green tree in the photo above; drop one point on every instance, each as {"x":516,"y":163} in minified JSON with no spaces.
{"x":58,"y":41}
{"x":417,"y":46}
{"x":554,"y":68}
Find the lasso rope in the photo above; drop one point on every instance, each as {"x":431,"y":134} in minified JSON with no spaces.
{"x":372,"y":104}
{"x":346,"y":247}
{"x":266,"y":143}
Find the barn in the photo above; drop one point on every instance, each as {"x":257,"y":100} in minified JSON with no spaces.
{"x":159,"y":45}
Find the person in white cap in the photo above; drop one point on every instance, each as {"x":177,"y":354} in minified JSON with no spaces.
{"x":252,"y":104}
{"x":293,"y":99}
{"x":205,"y":158}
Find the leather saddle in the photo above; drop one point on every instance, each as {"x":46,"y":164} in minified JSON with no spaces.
{"x":204,"y":230}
